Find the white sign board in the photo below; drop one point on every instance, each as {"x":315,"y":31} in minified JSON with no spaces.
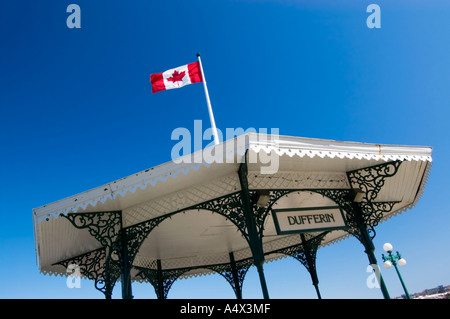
{"x":310,"y":219}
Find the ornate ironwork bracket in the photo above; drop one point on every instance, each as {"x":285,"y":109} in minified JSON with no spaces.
{"x":106,"y":228}
{"x":136,"y":234}
{"x":92,"y":266}
{"x":367,"y":215}
{"x":305,"y":253}
{"x":163,"y":279}
{"x":230,"y":207}
{"x":371,"y":179}
{"x":235,"y":273}
{"x":103,"y":226}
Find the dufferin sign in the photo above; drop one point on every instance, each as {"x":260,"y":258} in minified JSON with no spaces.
{"x":299,"y":220}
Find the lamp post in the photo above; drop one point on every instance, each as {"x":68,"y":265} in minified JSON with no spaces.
{"x":394,"y":260}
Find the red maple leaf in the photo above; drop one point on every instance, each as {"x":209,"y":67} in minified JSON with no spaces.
{"x":176,"y":76}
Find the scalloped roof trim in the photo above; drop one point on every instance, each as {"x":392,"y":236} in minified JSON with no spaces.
{"x":281,"y":145}
{"x":109,"y":191}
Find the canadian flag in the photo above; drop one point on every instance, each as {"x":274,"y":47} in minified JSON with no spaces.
{"x":176,"y":78}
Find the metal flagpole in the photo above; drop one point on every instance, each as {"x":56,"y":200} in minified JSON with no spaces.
{"x":211,"y":116}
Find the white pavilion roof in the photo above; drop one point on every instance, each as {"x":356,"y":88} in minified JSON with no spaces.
{"x":200,"y":237}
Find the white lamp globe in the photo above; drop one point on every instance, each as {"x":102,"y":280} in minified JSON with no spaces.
{"x":401,"y":262}
{"x":387,"y":264}
{"x":387,"y":247}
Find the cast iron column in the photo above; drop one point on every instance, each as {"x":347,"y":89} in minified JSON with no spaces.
{"x":126,"y":267}
{"x":311,"y":264}
{"x":369,"y":247}
{"x":160,"y":285}
{"x":234,"y":272}
{"x":254,"y":240}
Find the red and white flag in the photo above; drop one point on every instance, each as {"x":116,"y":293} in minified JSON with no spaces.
{"x":176,"y":78}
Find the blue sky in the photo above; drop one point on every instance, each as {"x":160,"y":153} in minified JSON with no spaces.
{"x":77,"y":112}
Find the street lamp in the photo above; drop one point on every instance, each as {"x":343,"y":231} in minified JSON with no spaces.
{"x":394,"y":260}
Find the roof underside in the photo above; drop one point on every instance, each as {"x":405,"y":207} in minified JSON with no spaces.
{"x":202,"y":237}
